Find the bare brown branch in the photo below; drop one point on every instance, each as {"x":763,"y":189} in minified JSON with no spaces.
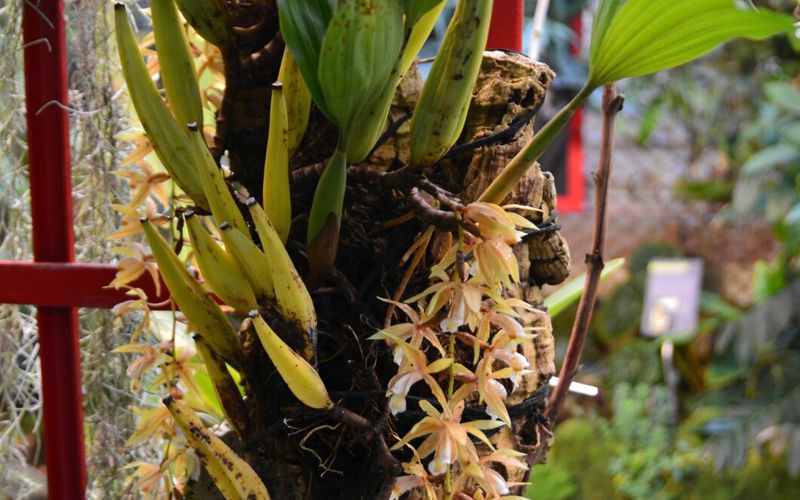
{"x":612,"y":104}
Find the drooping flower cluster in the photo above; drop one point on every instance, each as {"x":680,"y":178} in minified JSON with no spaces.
{"x":468,"y":307}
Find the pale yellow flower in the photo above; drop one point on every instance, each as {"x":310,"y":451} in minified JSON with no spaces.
{"x":144,"y":181}
{"x":412,"y":332}
{"x":179,"y":368}
{"x":131,"y":215}
{"x":152,"y":423}
{"x":492,"y":484}
{"x":448,"y":439}
{"x":148,"y":359}
{"x":495,"y":263}
{"x":517,"y":363}
{"x":416,"y":477}
{"x":490,"y":390}
{"x":142,"y":146}
{"x":148,"y":477}
{"x":461,"y":300}
{"x":414,"y":368}
{"x":494,"y":222}
{"x":136,"y":261}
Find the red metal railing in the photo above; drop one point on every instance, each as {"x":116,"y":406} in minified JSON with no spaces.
{"x":508,"y":19}
{"x":573,"y":199}
{"x":53,"y":241}
{"x":55,"y":283}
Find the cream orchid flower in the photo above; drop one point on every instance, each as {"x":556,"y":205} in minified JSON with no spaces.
{"x":414,"y":368}
{"x":496,"y":264}
{"x":149,"y":357}
{"x":143,"y":180}
{"x":152,"y":423}
{"x":494,"y":222}
{"x":416,"y":478}
{"x":490,"y":390}
{"x":135,"y":262}
{"x":448,"y":439}
{"x":490,"y":482}
{"x":148,"y":477}
{"x":517,"y":363}
{"x":462,"y":300}
{"x":412,"y":332}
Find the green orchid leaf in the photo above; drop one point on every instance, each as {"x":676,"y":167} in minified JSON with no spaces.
{"x":415,"y":9}
{"x":640,"y":37}
{"x":329,"y":195}
{"x":303,"y":25}
{"x":359,"y":50}
{"x":419,"y":27}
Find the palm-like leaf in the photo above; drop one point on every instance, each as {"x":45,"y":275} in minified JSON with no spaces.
{"x":640,"y":37}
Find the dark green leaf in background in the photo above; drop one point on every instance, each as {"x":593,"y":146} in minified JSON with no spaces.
{"x":303,"y":26}
{"x":417,"y":8}
{"x":773,"y":156}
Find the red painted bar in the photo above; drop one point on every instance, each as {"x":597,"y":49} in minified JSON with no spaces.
{"x":508,"y":19}
{"x":33,"y":283}
{"x":573,"y":200}
{"x":45,"y":55}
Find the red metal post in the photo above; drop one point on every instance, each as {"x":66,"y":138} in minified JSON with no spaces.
{"x":508,"y":20}
{"x":45,"y":54}
{"x":33,"y":284}
{"x":573,"y":200}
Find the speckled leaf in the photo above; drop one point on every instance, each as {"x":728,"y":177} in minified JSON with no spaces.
{"x":359,"y":51}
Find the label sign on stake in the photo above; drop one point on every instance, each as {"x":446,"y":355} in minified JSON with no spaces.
{"x":672,"y":297}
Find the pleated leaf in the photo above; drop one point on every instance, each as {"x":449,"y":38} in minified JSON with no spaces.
{"x":640,"y":37}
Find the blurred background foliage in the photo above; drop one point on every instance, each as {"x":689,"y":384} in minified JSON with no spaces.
{"x":732,"y":430}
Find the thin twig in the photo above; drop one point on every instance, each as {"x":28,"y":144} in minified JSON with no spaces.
{"x":612,"y":104}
